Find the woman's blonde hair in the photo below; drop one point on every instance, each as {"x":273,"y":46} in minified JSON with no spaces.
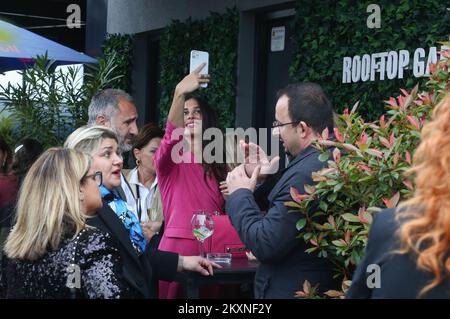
{"x":88,"y":138}
{"x":233,"y":153}
{"x":48,"y":207}
{"x":426,"y":228}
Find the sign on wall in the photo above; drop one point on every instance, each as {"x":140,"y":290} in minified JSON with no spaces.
{"x":389,"y":65}
{"x":277,"y":39}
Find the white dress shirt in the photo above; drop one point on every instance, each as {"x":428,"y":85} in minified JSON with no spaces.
{"x":145,"y":194}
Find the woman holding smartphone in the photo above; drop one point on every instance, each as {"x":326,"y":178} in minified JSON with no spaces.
{"x":187,"y":183}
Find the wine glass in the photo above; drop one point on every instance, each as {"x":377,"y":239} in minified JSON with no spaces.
{"x":202,"y":228}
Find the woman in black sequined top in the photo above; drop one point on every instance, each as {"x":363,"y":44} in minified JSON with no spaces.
{"x":143,"y":266}
{"x":51,"y":252}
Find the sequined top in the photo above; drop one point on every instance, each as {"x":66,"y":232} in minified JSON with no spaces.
{"x":100,"y":269}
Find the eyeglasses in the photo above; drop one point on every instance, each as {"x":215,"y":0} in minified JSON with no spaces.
{"x":97,"y":177}
{"x":278,"y":124}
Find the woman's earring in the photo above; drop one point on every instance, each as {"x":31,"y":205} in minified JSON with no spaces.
{"x":138,"y":162}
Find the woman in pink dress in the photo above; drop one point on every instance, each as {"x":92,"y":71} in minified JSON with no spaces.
{"x":186,"y":182}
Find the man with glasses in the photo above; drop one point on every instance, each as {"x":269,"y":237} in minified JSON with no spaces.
{"x":302,"y":112}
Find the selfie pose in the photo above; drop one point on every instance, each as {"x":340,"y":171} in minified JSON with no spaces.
{"x":51,"y":252}
{"x":187,"y":183}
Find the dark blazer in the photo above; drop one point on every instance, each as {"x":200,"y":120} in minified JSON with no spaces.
{"x":272,"y":236}
{"x":399,"y":276}
{"x":142,"y":272}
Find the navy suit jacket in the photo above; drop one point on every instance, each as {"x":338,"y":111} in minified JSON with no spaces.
{"x":399,"y":276}
{"x":272,"y":236}
{"x":142,"y":272}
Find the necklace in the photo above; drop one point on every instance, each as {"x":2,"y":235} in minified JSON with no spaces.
{"x":73,"y":270}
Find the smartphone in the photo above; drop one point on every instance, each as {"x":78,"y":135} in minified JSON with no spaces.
{"x":197,"y":58}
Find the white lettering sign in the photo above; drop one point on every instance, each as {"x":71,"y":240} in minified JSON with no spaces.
{"x":388,"y":65}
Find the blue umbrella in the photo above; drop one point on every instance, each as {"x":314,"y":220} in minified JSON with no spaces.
{"x":19,"y":48}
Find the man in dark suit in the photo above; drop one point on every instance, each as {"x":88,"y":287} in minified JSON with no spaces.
{"x":302,"y":113}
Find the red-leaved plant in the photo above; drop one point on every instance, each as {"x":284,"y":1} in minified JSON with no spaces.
{"x":366,"y":165}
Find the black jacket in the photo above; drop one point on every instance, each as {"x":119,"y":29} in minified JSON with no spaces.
{"x":99,"y":263}
{"x":272,"y":236}
{"x":142,"y":272}
{"x":399,"y":276}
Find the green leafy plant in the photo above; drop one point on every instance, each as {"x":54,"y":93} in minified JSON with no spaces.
{"x":50,"y":104}
{"x":216,"y":34}
{"x":366,"y":165}
{"x":7,"y":130}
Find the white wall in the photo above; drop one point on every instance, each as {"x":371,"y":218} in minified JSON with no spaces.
{"x":134,"y":16}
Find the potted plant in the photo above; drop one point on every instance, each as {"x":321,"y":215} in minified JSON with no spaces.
{"x":365,"y":173}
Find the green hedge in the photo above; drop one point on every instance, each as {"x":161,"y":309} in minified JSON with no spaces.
{"x":120,"y":48}
{"x":327,"y":31}
{"x":216,"y":34}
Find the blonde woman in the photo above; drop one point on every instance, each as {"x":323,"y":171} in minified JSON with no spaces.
{"x":142,"y":266}
{"x":408,"y":251}
{"x":233,"y":158}
{"x":51,"y":252}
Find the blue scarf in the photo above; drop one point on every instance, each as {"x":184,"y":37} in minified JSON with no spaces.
{"x":128,"y":219}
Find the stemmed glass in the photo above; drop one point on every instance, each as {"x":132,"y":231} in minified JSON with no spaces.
{"x":202,"y":228}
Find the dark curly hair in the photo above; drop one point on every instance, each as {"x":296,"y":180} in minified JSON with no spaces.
{"x":4,"y":147}
{"x":209,"y":120}
{"x":27,"y":152}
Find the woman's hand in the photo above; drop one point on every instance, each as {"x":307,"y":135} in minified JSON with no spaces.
{"x":250,"y":256}
{"x":192,"y":81}
{"x":198,"y":264}
{"x":150,"y":229}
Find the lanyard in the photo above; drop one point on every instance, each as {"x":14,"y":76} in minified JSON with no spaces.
{"x":138,"y":203}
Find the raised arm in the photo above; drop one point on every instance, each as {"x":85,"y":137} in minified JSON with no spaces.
{"x":189,"y":84}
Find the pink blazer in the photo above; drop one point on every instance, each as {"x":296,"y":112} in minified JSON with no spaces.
{"x":184,"y":190}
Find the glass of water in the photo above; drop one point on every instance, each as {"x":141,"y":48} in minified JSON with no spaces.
{"x":202,"y":228}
